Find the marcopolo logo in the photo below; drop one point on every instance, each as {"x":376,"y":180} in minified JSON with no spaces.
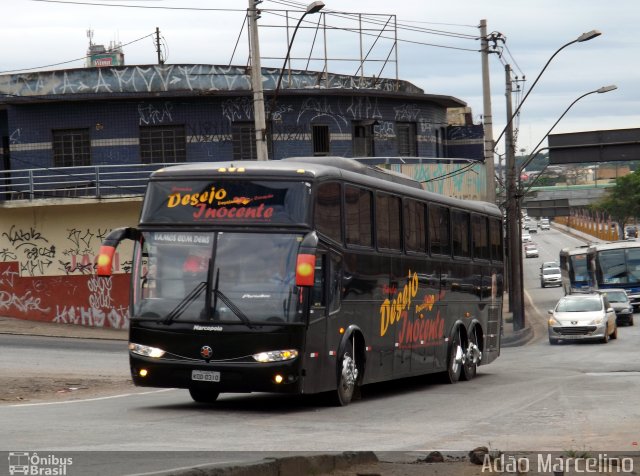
{"x":24,"y":462}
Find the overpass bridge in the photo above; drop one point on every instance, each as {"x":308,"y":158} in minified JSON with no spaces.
{"x":552,"y":201}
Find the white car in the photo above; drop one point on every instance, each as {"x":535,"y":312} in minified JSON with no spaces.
{"x":530,"y":251}
{"x":526,"y":238}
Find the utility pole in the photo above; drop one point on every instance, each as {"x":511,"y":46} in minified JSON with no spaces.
{"x":158,"y":50}
{"x":256,"y":84}
{"x":487,"y":116}
{"x":514,"y":230}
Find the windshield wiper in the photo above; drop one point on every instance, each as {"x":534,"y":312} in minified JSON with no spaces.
{"x":225,"y":299}
{"x":235,"y":309}
{"x":186,"y":301}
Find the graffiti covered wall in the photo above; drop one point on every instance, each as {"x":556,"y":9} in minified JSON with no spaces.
{"x":47,"y":261}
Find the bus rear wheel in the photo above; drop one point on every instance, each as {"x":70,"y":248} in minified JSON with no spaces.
{"x":472,"y":358}
{"x":455,"y":360}
{"x":347,"y":377}
{"x":203,"y":396}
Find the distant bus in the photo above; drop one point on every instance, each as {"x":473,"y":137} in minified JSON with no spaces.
{"x":574,"y":270}
{"x":616,"y":265}
{"x":308,"y":275}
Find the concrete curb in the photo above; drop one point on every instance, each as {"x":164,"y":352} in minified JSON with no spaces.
{"x":517,"y":338}
{"x":287,"y":466}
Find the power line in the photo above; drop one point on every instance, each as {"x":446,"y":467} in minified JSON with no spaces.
{"x":70,"y":61}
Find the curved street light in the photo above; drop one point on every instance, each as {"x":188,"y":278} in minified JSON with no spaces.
{"x":514,"y":238}
{"x":584,"y":37}
{"x":313,"y":7}
{"x":603,"y":89}
{"x":256,"y":75}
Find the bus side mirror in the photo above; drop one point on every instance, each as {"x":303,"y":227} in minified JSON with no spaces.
{"x":306,"y":260}
{"x":104,"y":263}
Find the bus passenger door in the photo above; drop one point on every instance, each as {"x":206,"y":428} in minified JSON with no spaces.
{"x":325,"y":303}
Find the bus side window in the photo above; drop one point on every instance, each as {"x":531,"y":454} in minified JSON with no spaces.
{"x":317,"y":293}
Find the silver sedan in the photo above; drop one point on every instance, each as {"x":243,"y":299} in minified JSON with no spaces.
{"x":582,"y":316}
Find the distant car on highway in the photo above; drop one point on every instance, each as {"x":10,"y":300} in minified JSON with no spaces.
{"x":530,"y":251}
{"x":526,"y":237}
{"x":544,"y":224}
{"x":620,"y":302}
{"x":582,"y":316}
{"x":549,"y":264}
{"x":550,"y":277}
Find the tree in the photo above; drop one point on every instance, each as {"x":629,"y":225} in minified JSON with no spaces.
{"x":623,"y":200}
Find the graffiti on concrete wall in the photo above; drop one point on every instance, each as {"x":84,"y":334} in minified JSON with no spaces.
{"x":153,"y":114}
{"x":171,"y":78}
{"x":33,"y":250}
{"x":84,"y":300}
{"x":39,"y":255}
{"x":102,"y":309}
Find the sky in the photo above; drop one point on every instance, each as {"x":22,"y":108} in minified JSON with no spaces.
{"x":437,"y":48}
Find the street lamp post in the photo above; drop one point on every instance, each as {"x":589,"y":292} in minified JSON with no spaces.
{"x":603,"y":89}
{"x":515,"y":197}
{"x":313,"y":7}
{"x":584,"y":37}
{"x":514,"y":229}
{"x":256,"y":85}
{"x":262,"y":152}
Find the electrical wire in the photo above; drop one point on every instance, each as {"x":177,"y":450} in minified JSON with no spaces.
{"x":70,"y":61}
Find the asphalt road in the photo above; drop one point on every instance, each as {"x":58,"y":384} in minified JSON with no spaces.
{"x":576,"y":397}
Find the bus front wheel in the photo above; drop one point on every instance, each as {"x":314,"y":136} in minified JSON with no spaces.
{"x":203,"y":396}
{"x":347,"y":376}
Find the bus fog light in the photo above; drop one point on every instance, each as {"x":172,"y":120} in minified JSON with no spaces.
{"x":146,"y":351}
{"x":143,"y":372}
{"x":276,"y":355}
{"x":278,"y":379}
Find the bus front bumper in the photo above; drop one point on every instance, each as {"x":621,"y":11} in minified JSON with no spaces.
{"x":276,"y":377}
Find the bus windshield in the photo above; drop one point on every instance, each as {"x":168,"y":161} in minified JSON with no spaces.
{"x":579,"y":268}
{"x":236,"y":278}
{"x":620,"y":266}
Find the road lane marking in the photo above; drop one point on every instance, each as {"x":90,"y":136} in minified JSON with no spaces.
{"x":96,"y":399}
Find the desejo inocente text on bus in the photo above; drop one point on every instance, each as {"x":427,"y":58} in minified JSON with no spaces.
{"x":307,"y":275}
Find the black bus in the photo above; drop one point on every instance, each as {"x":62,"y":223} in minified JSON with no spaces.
{"x":307,"y":275}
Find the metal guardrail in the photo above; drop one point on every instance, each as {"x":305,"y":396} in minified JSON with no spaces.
{"x":97,"y":181}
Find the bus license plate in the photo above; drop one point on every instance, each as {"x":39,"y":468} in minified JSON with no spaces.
{"x":205,"y":376}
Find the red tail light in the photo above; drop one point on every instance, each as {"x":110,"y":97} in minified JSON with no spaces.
{"x":305,"y":270}
{"x":105,"y":260}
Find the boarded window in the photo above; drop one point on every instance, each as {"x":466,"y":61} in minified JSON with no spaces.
{"x":162,"y":144}
{"x":71,"y":148}
{"x":406,"y":138}
{"x":362,"y":139}
{"x":358,"y":216}
{"x":320,"y":138}
{"x":243,"y":137}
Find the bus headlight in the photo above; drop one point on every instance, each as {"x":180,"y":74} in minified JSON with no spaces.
{"x":146,"y":350}
{"x":276,"y":355}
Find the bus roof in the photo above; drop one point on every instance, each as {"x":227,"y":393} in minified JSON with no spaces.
{"x":579,"y":250}
{"x":613,"y":245}
{"x":320,"y":168}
